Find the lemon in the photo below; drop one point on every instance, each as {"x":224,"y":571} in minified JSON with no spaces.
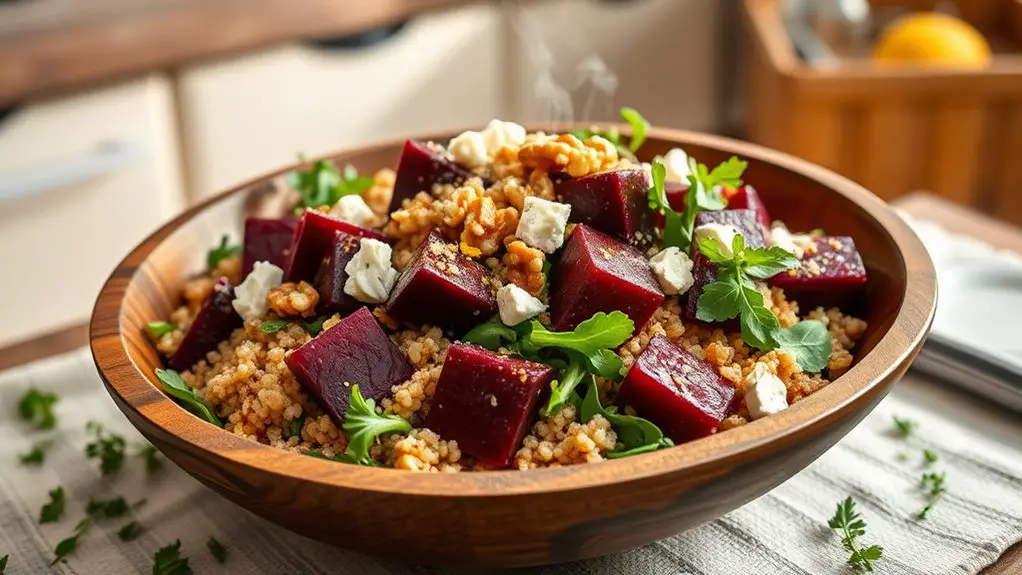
{"x":932,"y":39}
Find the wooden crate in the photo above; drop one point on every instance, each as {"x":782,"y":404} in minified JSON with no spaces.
{"x":956,"y":133}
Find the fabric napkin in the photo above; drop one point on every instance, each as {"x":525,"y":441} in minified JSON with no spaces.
{"x":783,"y":532}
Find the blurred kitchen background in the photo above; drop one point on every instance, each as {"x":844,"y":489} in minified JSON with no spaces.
{"x":117,"y":114}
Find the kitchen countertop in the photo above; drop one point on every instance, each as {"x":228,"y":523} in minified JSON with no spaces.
{"x":47,"y":46}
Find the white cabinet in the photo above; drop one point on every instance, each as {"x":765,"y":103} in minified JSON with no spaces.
{"x":83,"y":179}
{"x":247,"y":115}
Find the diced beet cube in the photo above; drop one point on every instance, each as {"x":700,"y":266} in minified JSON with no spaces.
{"x":353,"y":352}
{"x":267,"y":240}
{"x":486,"y":402}
{"x":442,"y":287}
{"x":832,"y":276}
{"x":314,"y":236}
{"x":746,"y":198}
{"x":213,"y":324}
{"x":679,"y":392}
{"x":613,"y":202}
{"x":598,"y":273}
{"x":704,"y":272}
{"x":331,"y":277}
{"x":418,"y":169}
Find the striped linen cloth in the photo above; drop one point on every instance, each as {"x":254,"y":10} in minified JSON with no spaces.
{"x":782,"y":532}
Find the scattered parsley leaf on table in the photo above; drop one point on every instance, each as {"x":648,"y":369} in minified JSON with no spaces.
{"x":168,"y":561}
{"x":851,"y":526}
{"x":934,"y":482}
{"x":66,"y":546}
{"x":217,"y":550}
{"x":904,"y":427}
{"x":271,"y":326}
{"x":159,"y":328}
{"x":363,"y":425}
{"x":36,"y":455}
{"x":108,"y":508}
{"x":54,"y":509}
{"x":634,"y":434}
{"x":130,"y":531}
{"x":930,"y":456}
{"x":176,"y":387}
{"x":107,"y":446}
{"x":36,"y":408}
{"x":151,"y":456}
{"x":222,"y":252}
{"x":3,"y":563}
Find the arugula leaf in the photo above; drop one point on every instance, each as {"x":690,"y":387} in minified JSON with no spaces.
{"x":904,"y":427}
{"x":130,"y":531}
{"x":294,"y":429}
{"x":934,"y":482}
{"x":168,"y":561}
{"x":808,"y":341}
{"x":851,"y":526}
{"x":174,"y":385}
{"x":153,"y":459}
{"x":67,"y":546}
{"x":221,"y":252}
{"x":563,"y":388}
{"x":272,"y":326}
{"x":36,"y":408}
{"x":217,"y":550}
{"x":593,"y":338}
{"x":363,"y":425}
{"x":323,"y":185}
{"x":159,"y":328}
{"x":315,"y":326}
{"x":52,"y":511}
{"x":108,"y":447}
{"x":639,"y":127}
{"x":491,"y":335}
{"x":634,"y":434}
{"x":37,"y":454}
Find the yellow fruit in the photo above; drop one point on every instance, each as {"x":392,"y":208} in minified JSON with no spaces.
{"x":932,"y":39}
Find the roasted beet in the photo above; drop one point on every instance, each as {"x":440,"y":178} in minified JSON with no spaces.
{"x":704,"y":272}
{"x":746,"y":198}
{"x":486,"y":402}
{"x":314,"y":236}
{"x":331,"y":277}
{"x":613,"y":202}
{"x":832,"y":276}
{"x":677,"y":391}
{"x":442,"y":287}
{"x":418,"y":169}
{"x":214,"y":323}
{"x":267,"y":241}
{"x":353,"y":352}
{"x":598,"y":273}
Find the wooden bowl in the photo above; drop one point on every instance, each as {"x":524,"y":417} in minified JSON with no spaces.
{"x":513,"y":518}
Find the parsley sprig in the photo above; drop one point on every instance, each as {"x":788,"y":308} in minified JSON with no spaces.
{"x":174,"y":385}
{"x":67,"y":546}
{"x":3,"y":563}
{"x":36,"y":455}
{"x":640,"y":126}
{"x":217,"y":550}
{"x":54,"y":508}
{"x":323,"y":185}
{"x":363,"y":424}
{"x":634,"y":434}
{"x":168,"y":561}
{"x":222,"y":252}
{"x":36,"y":408}
{"x":933,"y":484}
{"x":849,"y":523}
{"x":703,"y":195}
{"x":903,"y":427}
{"x":130,"y":531}
{"x":107,"y":447}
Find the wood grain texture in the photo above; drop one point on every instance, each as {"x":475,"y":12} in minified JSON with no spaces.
{"x":509,"y":518}
{"x":44,"y":346}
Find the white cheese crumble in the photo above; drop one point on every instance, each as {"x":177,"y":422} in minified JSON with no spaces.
{"x":676,"y":162}
{"x":499,"y":134}
{"x":724,"y":234}
{"x":764,"y":392}
{"x":352,"y":208}
{"x":517,"y":305}
{"x":370,"y":275}
{"x":673,"y":270}
{"x":542,"y":223}
{"x":469,"y":149}
{"x":250,"y":295}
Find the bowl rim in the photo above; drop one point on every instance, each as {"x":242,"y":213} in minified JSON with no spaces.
{"x":125,"y":381}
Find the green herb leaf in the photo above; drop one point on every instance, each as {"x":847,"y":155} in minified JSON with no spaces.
{"x":765,"y":263}
{"x":3,"y":563}
{"x":930,"y":456}
{"x":294,"y":429}
{"x":174,"y":385}
{"x":108,"y":508}
{"x":168,"y":561}
{"x":904,"y":427}
{"x":323,"y":185}
{"x":639,"y":127}
{"x":363,"y":425}
{"x":711,"y":248}
{"x":593,"y":338}
{"x":728,"y":174}
{"x":757,"y":321}
{"x":563,"y":388}
{"x":933,"y":484}
{"x":216,"y":550}
{"x":851,"y":526}
{"x":37,"y":454}
{"x":634,"y":434}
{"x":36,"y":408}
{"x":808,"y":341}
{"x":54,"y":509}
{"x":130,"y":531}
{"x":351,"y":184}
{"x":67,"y":546}
{"x":159,"y":328}
{"x":108,"y":447}
{"x":315,"y":326}
{"x":491,"y":335}
{"x":720,"y":300}
{"x":153,"y":459}
{"x":221,"y":252}
{"x":271,"y":326}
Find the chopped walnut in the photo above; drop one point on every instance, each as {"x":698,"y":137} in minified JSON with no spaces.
{"x":379,"y":195}
{"x":229,"y":268}
{"x":289,"y":299}
{"x":486,"y":226}
{"x":567,"y":153}
{"x":524,"y":266}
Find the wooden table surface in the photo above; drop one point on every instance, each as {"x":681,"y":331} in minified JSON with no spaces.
{"x":923,"y":206}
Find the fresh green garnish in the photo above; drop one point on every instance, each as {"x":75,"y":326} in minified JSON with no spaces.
{"x":216,"y":550}
{"x":176,"y":387}
{"x":930,"y":456}
{"x":315,"y":326}
{"x":67,"y":546}
{"x":594,"y":339}
{"x":674,"y":223}
{"x":3,"y":563}
{"x":168,"y":561}
{"x":159,"y":328}
{"x":933,"y":483}
{"x":108,"y":447}
{"x":904,"y":427}
{"x":130,"y":531}
{"x":703,"y":194}
{"x":851,"y":526}
{"x":52,"y":510}
{"x":634,"y":434}
{"x":808,"y":341}
{"x":153,"y":459}
{"x":272,"y":325}
{"x":323,"y":185}
{"x":364,"y":424}
{"x":491,"y":335}
{"x":639,"y":127}
{"x":37,"y":454}
{"x":221,"y":252}
{"x":902,"y":456}
{"x":36,"y":408}
{"x":562,"y":390}
{"x":294,"y":429}
{"x":108,"y":508}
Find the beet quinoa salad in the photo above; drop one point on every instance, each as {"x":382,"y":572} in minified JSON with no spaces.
{"x":511,"y":300}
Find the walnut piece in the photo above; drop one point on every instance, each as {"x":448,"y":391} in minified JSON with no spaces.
{"x":486,"y":226}
{"x":525,"y":266}
{"x":289,"y":299}
{"x":567,"y":153}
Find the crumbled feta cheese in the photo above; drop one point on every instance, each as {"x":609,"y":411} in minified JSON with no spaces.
{"x":764,"y":392}
{"x":724,"y":234}
{"x":542,"y":223}
{"x":673,"y":269}
{"x":499,"y":134}
{"x":354,"y":209}
{"x":370,"y":274}
{"x":676,"y":162}
{"x":469,"y":149}
{"x":250,"y":295}
{"x":517,"y":305}
{"x":780,"y":237}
